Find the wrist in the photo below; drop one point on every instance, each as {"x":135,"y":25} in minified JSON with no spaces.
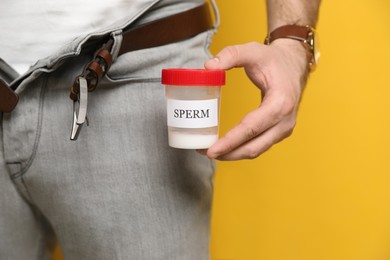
{"x":305,"y":35}
{"x":295,"y":50}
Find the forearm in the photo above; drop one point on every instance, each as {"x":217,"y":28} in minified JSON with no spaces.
{"x":300,"y":12}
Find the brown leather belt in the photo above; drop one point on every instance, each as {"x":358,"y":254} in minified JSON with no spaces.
{"x":8,"y":98}
{"x":167,"y":30}
{"x":163,"y":31}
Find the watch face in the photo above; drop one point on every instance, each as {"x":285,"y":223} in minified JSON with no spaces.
{"x":314,"y":48}
{"x":317,"y":53}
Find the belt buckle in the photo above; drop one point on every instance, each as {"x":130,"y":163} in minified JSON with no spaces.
{"x":80,"y":109}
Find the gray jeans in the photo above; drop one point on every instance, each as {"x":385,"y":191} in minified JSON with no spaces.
{"x":119,"y":191}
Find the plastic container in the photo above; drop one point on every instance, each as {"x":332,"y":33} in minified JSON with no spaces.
{"x":193,"y":98}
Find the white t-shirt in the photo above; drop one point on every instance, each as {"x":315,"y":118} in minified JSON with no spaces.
{"x":32,"y":30}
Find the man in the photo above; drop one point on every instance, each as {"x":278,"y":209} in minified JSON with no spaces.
{"x":119,"y":191}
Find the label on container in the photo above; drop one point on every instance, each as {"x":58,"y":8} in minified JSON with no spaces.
{"x":192,"y":113}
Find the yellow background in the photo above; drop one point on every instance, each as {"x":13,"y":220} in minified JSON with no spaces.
{"x":324,"y":193}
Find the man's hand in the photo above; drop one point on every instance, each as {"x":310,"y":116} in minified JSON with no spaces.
{"x":280,"y":71}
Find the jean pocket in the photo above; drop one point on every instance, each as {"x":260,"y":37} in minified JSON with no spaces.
{"x":22,"y":128}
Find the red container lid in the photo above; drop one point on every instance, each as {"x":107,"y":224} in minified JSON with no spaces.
{"x":193,"y":77}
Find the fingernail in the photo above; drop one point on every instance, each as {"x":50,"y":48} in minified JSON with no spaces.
{"x":216,"y":59}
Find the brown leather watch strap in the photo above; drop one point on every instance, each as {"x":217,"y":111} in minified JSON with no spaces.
{"x":304,"y":34}
{"x":296,"y":32}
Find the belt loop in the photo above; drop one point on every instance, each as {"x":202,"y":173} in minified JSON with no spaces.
{"x":216,"y":13}
{"x":7,"y":73}
{"x":117,"y":37}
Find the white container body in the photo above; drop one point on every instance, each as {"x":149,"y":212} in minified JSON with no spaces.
{"x":192,"y":115}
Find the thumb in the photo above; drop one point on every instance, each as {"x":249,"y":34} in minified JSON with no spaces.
{"x":234,"y":56}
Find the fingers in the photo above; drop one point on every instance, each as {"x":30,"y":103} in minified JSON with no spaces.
{"x":270,"y":113}
{"x":234,"y":56}
{"x":260,"y":144}
{"x":276,"y":112}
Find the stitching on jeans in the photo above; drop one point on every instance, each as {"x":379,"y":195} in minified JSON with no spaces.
{"x":129,"y":79}
{"x":38,"y":133}
{"x":27,"y":192}
{"x":208,"y":41}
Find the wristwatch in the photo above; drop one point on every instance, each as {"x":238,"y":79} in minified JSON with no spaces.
{"x":305,"y":34}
